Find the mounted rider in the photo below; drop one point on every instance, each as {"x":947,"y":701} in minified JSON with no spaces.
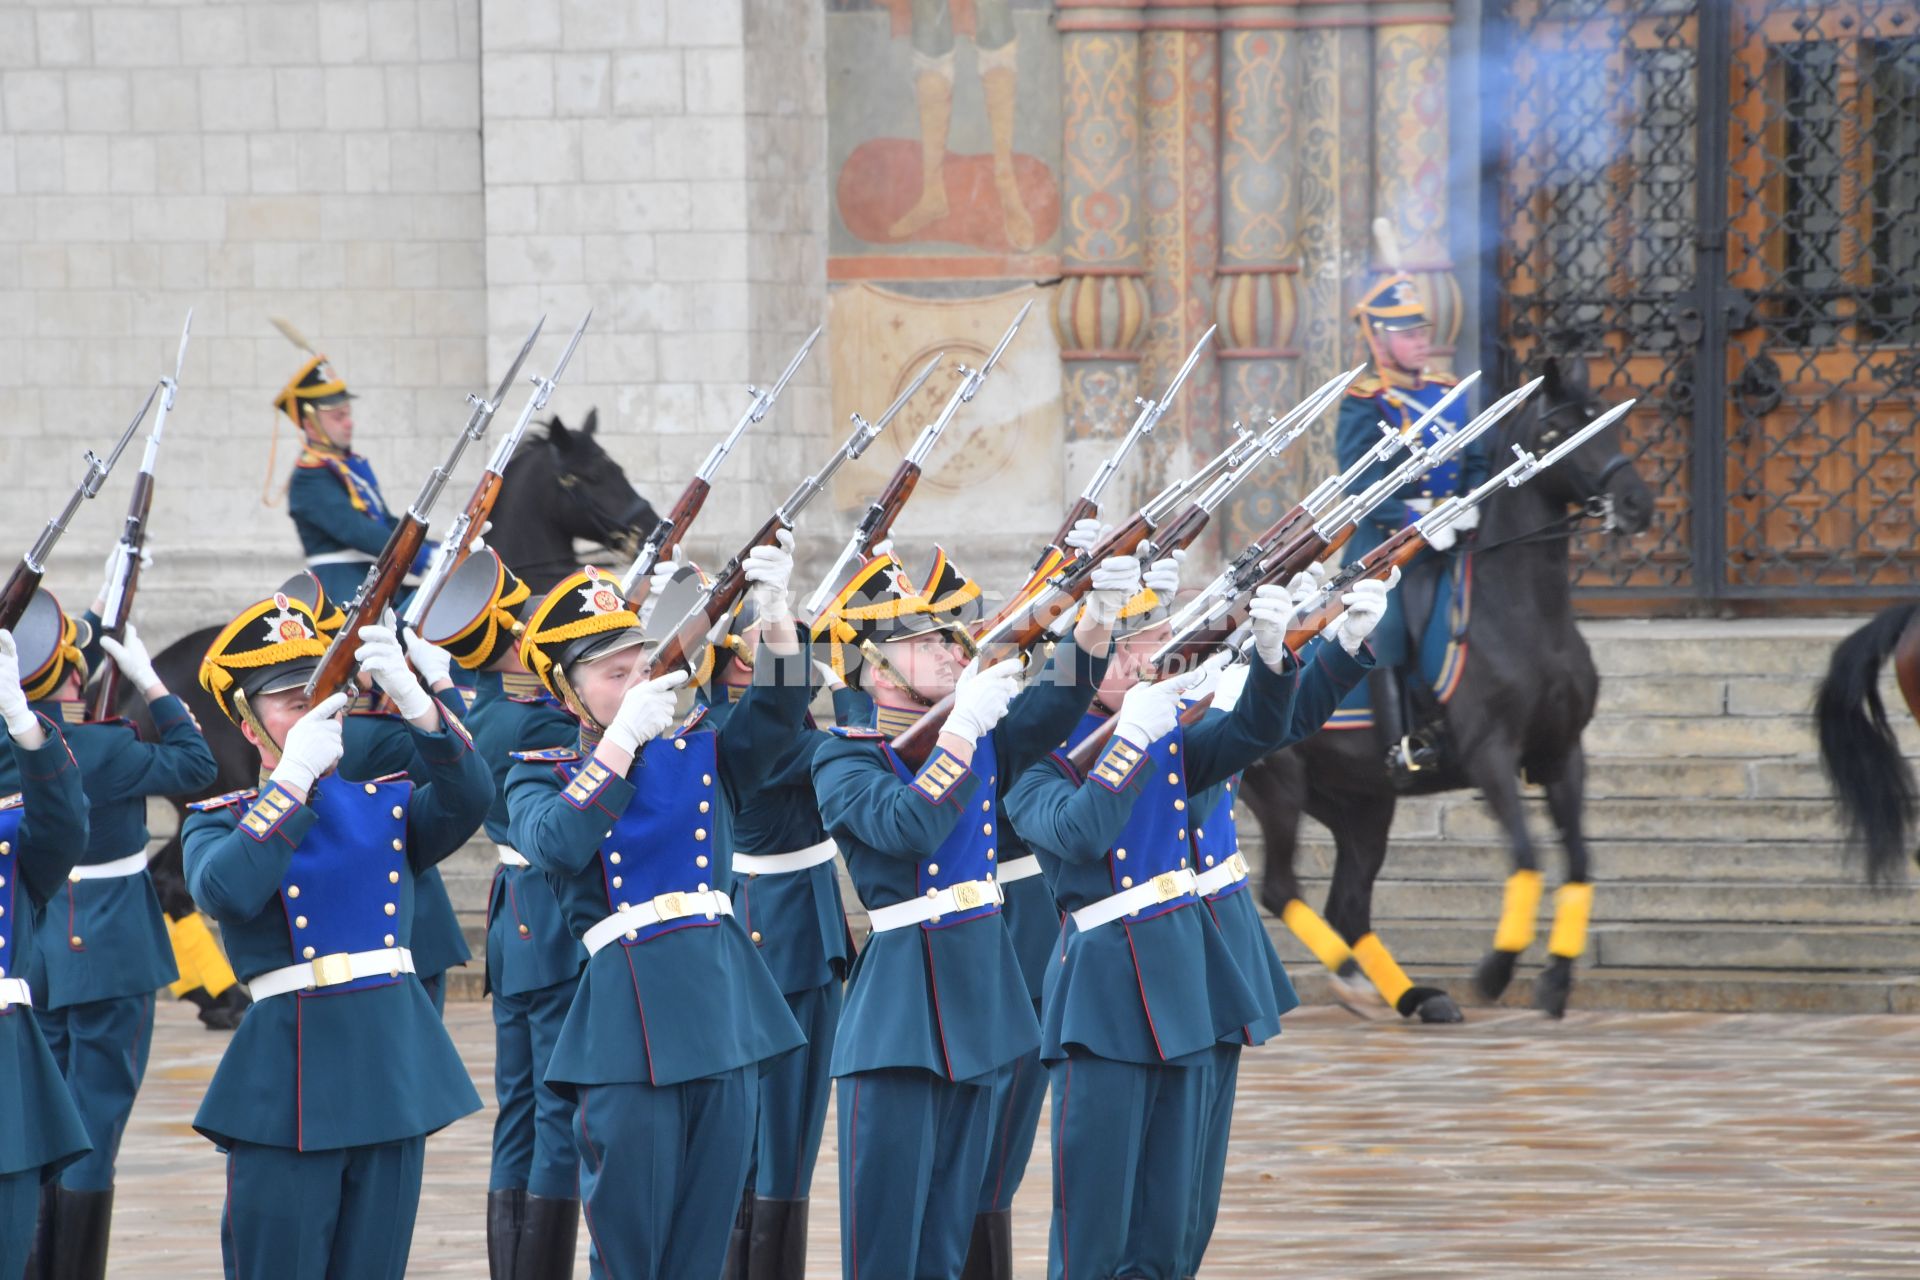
{"x":1396,"y":329}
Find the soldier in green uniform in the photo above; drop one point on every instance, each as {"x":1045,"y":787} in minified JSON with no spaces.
{"x":533,"y":959}
{"x":936,"y":1004}
{"x":1394,"y":327}
{"x":43,"y":832}
{"x":674,"y":1014}
{"x":341,"y":1067}
{"x":334,"y":497}
{"x":94,"y":984}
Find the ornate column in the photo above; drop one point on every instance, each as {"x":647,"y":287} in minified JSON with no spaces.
{"x":1256,"y":299}
{"x":1100,"y":311}
{"x":1411,"y":50}
{"x":1334,"y":175}
{"x":1181,"y":53}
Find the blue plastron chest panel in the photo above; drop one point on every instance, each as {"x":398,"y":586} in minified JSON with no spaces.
{"x":11,"y":812}
{"x":1154,"y":839}
{"x":349,"y":886}
{"x":1406,"y":406}
{"x":663,"y":842}
{"x":1217,"y":838}
{"x":970,"y":849}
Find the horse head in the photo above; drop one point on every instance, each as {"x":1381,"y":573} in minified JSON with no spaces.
{"x":1598,"y":475}
{"x":560,"y":487}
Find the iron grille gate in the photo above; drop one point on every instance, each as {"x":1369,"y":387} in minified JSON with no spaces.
{"x":1716,"y":203}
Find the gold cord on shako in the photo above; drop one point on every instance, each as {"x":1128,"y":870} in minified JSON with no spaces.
{"x":273,"y":646}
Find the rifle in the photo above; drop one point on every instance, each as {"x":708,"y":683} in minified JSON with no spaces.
{"x":124,"y":578}
{"x":387,"y":574}
{"x":453,"y":549}
{"x":25,"y":579}
{"x":666,"y":535}
{"x":878,"y":520}
{"x":1144,"y":534}
{"x":1087,"y":505}
{"x":730,"y":583}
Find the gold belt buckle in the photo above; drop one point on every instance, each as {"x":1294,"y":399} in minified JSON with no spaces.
{"x":1166,"y":887}
{"x":967,"y":895}
{"x":332,"y":970}
{"x":1239,"y":864}
{"x":670,"y":906}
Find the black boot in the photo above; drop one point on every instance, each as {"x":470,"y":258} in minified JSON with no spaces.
{"x":80,"y":1245}
{"x":40,"y":1261}
{"x":222,"y":1012}
{"x":777,"y":1244}
{"x":1407,"y":754}
{"x":990,"y":1253}
{"x":506,"y":1211}
{"x":547,"y":1235}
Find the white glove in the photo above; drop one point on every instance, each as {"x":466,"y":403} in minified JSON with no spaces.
{"x":981,"y":697}
{"x":1086,"y":534}
{"x":1307,"y":584}
{"x":1116,"y":580}
{"x":313,"y":746}
{"x":1443,"y":539}
{"x":21,"y":722}
{"x":769,"y":569}
{"x":1162,"y":577}
{"x":479,"y":542}
{"x":131,"y":657}
{"x":432,"y":662}
{"x":645,"y":710}
{"x":658,"y":584}
{"x":1469,"y":520}
{"x":1272,"y":616}
{"x":380,"y":657}
{"x":829,"y":678}
{"x":112,"y":562}
{"x":1149,"y":712}
{"x":1366,"y":602}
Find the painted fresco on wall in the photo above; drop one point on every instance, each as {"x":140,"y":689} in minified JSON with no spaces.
{"x":943,"y":138}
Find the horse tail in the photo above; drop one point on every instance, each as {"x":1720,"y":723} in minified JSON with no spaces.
{"x":1871,"y":782}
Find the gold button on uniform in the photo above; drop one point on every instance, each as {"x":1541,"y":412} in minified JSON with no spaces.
{"x":398,"y":844}
{"x":679,"y":744}
{"x":986,"y":806}
{"x":618,"y":881}
{"x":1182,"y":835}
{"x":1180,"y":806}
{"x":398,"y":812}
{"x":524,"y":931}
{"x":388,"y":908}
{"x":1126,"y":882}
{"x":706,"y":779}
{"x":986,"y":828}
{"x":299,"y":922}
{"x":389,"y":940}
{"x":371,"y":788}
{"x":700,"y":861}
{"x":306,"y":953}
{"x":393,"y":877}
{"x":1120,"y":854}
{"x":933,"y":868}
{"x":6,"y":847}
{"x":614,"y":858}
{"x":74,"y":940}
{"x":704,"y":806}
{"x":1173,"y":779}
{"x":293,"y":891}
{"x":699,"y":833}
{"x":756,"y":937}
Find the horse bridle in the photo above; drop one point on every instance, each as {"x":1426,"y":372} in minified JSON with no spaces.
{"x":607,"y":525}
{"x":1595,"y":502}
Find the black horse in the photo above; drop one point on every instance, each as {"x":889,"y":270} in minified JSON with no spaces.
{"x":560,"y":486}
{"x":1527,"y":692}
{"x":1872,"y":784}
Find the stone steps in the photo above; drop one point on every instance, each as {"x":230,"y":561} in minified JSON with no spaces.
{"x":1649,"y":901}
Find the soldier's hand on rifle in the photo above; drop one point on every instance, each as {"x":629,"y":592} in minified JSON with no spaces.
{"x":1307,"y":585}
{"x":645,"y":710}
{"x":981,"y":697}
{"x":1149,"y":712}
{"x":313,"y":747}
{"x":379,"y":656}
{"x":1272,"y":615}
{"x":434,"y":664}
{"x":479,"y":542}
{"x":829,"y":678}
{"x":1444,"y":538}
{"x":1115,"y":580}
{"x":1366,"y":603}
{"x":769,"y":569}
{"x":110,"y":570}
{"x":1086,"y":534}
{"x":1469,"y":521}
{"x":1162,"y":577}
{"x":131,"y":657}
{"x":21,"y":722}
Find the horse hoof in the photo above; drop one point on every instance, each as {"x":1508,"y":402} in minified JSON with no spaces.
{"x":1495,"y":974}
{"x":1355,"y":993}
{"x":1430,"y":1004}
{"x":1553,"y":987}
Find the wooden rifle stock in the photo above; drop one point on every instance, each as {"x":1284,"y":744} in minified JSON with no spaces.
{"x":887,"y":507}
{"x":21,"y":585}
{"x":685,"y":510}
{"x":383,"y":583}
{"x":1087,"y":751}
{"x":720,"y":598}
{"x":106,"y":688}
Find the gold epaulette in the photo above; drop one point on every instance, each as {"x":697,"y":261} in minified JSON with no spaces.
{"x":1366,"y":387}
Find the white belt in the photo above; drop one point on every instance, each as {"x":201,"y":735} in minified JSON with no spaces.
{"x":131,"y":865}
{"x":338,"y":557}
{"x":1019,"y":869}
{"x":965,"y":896}
{"x":767,"y":864}
{"x":1164,"y":887}
{"x":331,"y":971}
{"x":512,"y":857}
{"x":1224,"y":876}
{"x":668,"y":906}
{"x":15,"y":991}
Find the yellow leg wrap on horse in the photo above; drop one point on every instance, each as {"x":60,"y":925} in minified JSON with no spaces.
{"x":1519,"y":912}
{"x":200,"y":960}
{"x":1572,"y":908}
{"x":1316,"y":934}
{"x":1382,"y":970}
